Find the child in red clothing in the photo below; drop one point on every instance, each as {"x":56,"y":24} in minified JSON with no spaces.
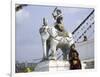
{"x":74,"y":59}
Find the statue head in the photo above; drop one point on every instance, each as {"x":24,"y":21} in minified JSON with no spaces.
{"x":58,"y":11}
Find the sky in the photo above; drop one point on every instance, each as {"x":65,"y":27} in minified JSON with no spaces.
{"x":29,"y":20}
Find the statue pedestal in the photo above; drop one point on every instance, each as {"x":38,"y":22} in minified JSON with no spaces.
{"x":52,"y":66}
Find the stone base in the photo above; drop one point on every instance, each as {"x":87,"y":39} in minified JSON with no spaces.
{"x":52,"y":66}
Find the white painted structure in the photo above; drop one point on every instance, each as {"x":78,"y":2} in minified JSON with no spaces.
{"x":86,"y":49}
{"x":54,"y":66}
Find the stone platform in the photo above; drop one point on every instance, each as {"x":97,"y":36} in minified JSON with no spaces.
{"x":52,"y":66}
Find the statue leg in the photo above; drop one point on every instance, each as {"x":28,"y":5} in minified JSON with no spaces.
{"x":44,"y":49}
{"x":48,"y":48}
{"x":64,"y":50}
{"x":53,"y":46}
{"x":65,"y":53}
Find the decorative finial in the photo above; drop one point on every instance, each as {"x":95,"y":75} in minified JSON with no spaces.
{"x":44,"y":22}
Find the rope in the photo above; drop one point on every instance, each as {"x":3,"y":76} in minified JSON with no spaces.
{"x":85,"y":31}
{"x":83,"y":22}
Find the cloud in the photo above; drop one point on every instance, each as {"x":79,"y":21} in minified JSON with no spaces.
{"x":22,"y":16}
{"x":72,"y":10}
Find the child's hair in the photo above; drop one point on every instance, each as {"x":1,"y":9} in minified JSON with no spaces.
{"x":73,"y":45}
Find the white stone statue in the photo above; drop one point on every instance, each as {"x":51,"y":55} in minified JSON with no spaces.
{"x":51,"y":40}
{"x":54,"y":37}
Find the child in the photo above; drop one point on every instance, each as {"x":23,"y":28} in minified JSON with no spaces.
{"x":74,"y":59}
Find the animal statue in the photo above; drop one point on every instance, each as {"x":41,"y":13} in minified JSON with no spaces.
{"x":52,"y":41}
